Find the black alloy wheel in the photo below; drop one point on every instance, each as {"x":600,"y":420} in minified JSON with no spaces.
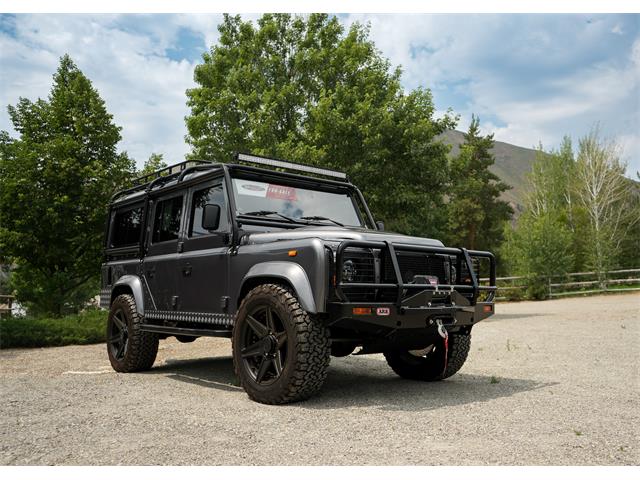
{"x":263,"y":347}
{"x":118,"y":335}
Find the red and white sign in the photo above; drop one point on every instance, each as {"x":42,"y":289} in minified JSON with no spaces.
{"x":265,"y":190}
{"x":281,"y":192}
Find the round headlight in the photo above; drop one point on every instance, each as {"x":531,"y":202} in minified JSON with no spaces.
{"x":348,"y":271}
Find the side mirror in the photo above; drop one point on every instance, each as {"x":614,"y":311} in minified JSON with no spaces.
{"x":380,"y":225}
{"x":211,"y":217}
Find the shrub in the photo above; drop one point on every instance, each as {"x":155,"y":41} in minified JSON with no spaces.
{"x":84,"y":328}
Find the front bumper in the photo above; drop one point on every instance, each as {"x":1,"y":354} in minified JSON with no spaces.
{"x":410,"y":317}
{"x":416,"y":305}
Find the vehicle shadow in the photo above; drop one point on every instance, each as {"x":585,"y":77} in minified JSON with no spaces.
{"x":362,"y":381}
{"x":511,"y":316}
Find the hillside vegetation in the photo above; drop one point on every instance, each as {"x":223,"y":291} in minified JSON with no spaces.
{"x":512,"y":163}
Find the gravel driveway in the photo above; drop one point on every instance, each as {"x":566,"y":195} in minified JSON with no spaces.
{"x":553,"y":382}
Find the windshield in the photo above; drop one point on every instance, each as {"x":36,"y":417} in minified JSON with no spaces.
{"x":278,"y":201}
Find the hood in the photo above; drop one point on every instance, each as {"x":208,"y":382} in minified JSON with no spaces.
{"x":338,"y":234}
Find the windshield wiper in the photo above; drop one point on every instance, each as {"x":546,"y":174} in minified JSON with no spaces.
{"x":264,"y":213}
{"x":318,"y":217}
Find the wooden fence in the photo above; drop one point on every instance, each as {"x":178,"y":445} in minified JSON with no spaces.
{"x":579,"y":283}
{"x":6,"y":303}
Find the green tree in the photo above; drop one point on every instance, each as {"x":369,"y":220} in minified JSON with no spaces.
{"x":305,"y":89}
{"x":541,"y":245}
{"x":154,"y":163}
{"x":539,"y":248}
{"x":475,"y":212}
{"x":609,"y":199}
{"x":56,"y":179}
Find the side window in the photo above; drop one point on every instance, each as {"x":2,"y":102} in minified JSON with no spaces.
{"x":126,"y":228}
{"x":166,"y":220}
{"x":210,"y":195}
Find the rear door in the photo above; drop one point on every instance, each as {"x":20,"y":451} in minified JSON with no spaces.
{"x":161,"y":263}
{"x":204,"y":264}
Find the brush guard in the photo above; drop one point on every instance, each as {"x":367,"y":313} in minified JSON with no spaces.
{"x":449,"y":303}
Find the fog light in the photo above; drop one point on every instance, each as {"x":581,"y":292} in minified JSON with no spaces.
{"x":487,"y":308}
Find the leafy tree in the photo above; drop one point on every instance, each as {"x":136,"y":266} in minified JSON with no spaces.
{"x":56,"y":179}
{"x":539,"y":248}
{"x":541,"y":243}
{"x":154,"y":163}
{"x":551,"y":190}
{"x":305,"y":90}
{"x":608,"y":197}
{"x":476,"y":213}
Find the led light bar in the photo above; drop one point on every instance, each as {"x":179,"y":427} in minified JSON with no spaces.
{"x":248,"y":158}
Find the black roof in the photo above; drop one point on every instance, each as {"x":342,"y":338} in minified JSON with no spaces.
{"x":246,"y":162}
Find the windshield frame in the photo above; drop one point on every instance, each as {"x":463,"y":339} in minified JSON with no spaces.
{"x":293,"y":180}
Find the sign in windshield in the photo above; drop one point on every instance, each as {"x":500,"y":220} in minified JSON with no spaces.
{"x":279,"y":201}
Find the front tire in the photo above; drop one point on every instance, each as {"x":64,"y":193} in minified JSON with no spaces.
{"x":129,"y":348}
{"x":429,"y":365}
{"x":280,"y":353}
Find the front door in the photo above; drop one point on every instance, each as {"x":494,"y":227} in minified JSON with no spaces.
{"x":160,"y":266}
{"x":203,"y":282}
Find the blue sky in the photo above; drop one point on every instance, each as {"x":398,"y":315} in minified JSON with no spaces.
{"x":530,"y":78}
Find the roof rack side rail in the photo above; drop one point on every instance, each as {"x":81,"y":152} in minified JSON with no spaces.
{"x":274,"y":162}
{"x":170,"y":170}
{"x":145,"y":182}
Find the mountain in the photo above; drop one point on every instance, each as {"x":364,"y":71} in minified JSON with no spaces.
{"x":512,"y":164}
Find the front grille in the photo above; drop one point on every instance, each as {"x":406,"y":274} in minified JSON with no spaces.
{"x":411,"y":264}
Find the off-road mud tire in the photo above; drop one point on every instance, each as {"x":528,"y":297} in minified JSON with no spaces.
{"x":142,"y":347}
{"x":431,"y":367}
{"x":308,"y":352}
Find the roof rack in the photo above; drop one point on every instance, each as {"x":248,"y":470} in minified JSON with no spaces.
{"x":273,"y":162}
{"x":170,"y":170}
{"x":145,"y":182}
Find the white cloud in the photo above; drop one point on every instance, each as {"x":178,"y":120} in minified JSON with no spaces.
{"x":143,"y":88}
{"x":530,"y":78}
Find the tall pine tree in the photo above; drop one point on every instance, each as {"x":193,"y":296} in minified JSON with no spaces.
{"x":476,"y":214}
{"x":56,"y":179}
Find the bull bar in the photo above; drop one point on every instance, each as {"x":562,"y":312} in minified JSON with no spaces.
{"x":418,"y":310}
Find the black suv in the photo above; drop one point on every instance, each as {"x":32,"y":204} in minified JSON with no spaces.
{"x":288,"y":262}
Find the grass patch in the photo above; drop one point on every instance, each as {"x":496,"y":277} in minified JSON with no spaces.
{"x":494,"y":380}
{"x":25,"y":332}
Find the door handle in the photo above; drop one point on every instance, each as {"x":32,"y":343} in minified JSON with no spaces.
{"x":186,"y":270}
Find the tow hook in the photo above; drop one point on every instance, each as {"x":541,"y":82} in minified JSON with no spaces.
{"x":445,"y":340}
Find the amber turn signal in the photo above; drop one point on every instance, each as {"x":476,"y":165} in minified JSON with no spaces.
{"x":487,"y":308}
{"x":293,"y":253}
{"x":362,"y":311}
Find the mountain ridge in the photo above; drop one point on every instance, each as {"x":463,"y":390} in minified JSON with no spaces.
{"x":512,"y":164}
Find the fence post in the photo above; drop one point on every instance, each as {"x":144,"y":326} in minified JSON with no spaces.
{"x":549,"y":286}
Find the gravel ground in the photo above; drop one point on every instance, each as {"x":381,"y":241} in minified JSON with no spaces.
{"x":553,"y":382}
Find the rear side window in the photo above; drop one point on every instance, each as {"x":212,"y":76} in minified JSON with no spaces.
{"x":166,"y":220}
{"x":126,"y":228}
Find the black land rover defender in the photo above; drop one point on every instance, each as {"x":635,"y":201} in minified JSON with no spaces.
{"x":291,"y":267}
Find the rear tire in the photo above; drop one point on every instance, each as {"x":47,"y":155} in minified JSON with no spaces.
{"x":129,"y":348}
{"x":280,"y":352}
{"x":430,"y":367}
